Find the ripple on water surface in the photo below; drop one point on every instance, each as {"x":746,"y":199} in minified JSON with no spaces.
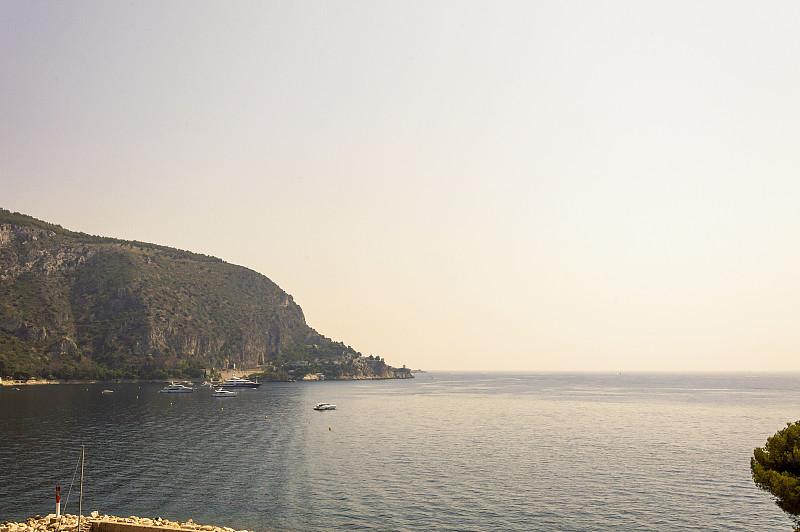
{"x":440,"y":452}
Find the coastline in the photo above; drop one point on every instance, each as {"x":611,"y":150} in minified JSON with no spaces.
{"x":226,"y":374}
{"x":32,"y":382}
{"x":69,"y":523}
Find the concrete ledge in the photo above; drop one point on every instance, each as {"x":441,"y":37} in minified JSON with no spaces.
{"x":111,"y":526}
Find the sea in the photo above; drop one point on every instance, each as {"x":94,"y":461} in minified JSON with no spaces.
{"x":444,"y":451}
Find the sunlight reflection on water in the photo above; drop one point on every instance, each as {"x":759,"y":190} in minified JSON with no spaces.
{"x":440,"y":452}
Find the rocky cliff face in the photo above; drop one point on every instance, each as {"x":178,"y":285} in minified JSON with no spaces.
{"x":73,"y":305}
{"x":364,"y":369}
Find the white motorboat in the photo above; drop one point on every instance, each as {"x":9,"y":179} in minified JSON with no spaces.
{"x":325,"y":406}
{"x":219,"y":392}
{"x":237,"y":382}
{"x":177,"y":388}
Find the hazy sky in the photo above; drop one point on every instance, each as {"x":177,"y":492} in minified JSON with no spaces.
{"x":534,"y":185}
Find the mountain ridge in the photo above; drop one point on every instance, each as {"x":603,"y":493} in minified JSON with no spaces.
{"x":78,"y":306}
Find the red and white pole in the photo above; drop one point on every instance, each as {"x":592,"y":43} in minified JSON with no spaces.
{"x":58,"y":502}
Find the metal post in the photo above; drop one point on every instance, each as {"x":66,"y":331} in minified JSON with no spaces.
{"x":80,"y":499}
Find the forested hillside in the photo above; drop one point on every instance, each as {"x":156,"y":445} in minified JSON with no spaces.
{"x":76,"y":306}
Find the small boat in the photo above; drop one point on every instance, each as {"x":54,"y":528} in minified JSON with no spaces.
{"x":325,"y":406}
{"x":177,"y":388}
{"x":107,"y":391}
{"x":236,"y":382}
{"x":219,"y":392}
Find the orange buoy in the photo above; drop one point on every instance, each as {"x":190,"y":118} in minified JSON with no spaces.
{"x":329,"y":428}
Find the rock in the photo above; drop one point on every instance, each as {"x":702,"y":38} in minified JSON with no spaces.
{"x":69,"y":523}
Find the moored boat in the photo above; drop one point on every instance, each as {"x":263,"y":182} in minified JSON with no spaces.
{"x":177,"y":388}
{"x":237,"y":382}
{"x":219,"y":392}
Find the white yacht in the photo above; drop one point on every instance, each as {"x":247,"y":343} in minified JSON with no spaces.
{"x":177,"y":388}
{"x":236,"y":382}
{"x":325,"y":406}
{"x":219,"y":392}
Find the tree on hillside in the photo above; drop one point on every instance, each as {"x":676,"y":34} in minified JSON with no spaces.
{"x":776,"y":469}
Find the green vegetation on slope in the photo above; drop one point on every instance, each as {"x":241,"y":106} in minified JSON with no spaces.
{"x":76,"y":306}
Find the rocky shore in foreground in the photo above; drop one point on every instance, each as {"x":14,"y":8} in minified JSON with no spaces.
{"x":69,"y":523}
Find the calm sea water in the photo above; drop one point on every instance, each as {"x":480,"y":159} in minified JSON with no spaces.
{"x":441,"y":452}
